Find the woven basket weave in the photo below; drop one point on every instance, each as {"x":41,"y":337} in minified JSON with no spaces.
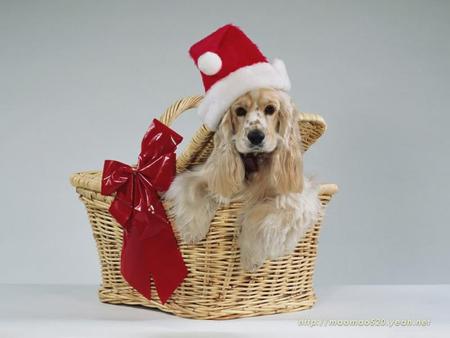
{"x":216,"y":286}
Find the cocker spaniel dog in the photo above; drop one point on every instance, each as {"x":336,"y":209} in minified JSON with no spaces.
{"x":257,"y":159}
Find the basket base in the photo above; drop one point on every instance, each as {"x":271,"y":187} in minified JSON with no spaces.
{"x":196,"y":311}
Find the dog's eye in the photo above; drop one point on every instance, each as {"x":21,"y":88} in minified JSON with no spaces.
{"x":269,"y":110}
{"x":240,"y":111}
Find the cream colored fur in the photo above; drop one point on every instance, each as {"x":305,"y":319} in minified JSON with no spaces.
{"x":272,"y":228}
{"x":193,"y":205}
{"x":280,"y":204}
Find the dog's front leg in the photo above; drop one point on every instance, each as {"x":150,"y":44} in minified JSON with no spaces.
{"x":273,"y":228}
{"x":192,"y":206}
{"x":253,"y":237}
{"x":268,"y":231}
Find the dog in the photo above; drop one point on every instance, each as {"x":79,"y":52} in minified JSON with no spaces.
{"x":257,"y":158}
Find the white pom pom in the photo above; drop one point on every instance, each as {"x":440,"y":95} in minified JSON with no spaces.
{"x":209,"y":63}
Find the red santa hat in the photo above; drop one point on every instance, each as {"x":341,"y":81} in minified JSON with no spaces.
{"x":231,"y":65}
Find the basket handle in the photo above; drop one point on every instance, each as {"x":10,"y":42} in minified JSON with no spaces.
{"x":178,"y":107}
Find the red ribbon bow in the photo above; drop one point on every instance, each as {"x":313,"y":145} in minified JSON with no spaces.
{"x":150,"y":248}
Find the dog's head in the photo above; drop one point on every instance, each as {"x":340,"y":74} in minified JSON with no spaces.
{"x":261,"y":127}
{"x":257,"y":120}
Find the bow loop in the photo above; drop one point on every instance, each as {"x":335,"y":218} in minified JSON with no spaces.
{"x":156,"y":172}
{"x":115,"y":175}
{"x":158,"y":140}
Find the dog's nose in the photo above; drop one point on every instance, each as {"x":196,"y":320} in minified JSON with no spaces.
{"x":256,"y":137}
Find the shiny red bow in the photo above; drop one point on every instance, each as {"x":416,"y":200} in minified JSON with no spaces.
{"x":150,"y":248}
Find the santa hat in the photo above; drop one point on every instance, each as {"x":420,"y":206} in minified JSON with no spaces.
{"x":231,"y":65}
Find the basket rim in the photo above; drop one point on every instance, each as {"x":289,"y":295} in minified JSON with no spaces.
{"x":91,"y":180}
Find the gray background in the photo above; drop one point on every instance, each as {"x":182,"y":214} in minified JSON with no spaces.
{"x":81,"y":80}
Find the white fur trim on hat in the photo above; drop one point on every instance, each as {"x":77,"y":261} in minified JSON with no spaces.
{"x":222,"y":94}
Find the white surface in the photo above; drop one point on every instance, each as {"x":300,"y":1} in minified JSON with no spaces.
{"x":74,"y":311}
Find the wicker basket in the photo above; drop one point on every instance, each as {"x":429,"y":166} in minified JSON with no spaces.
{"x":216,"y":287}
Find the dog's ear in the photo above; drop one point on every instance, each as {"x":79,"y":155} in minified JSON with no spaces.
{"x":225,"y":171}
{"x":287,"y":161}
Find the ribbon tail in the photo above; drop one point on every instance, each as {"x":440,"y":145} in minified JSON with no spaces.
{"x":166,"y":263}
{"x":157,"y":257}
{"x":133,"y":266}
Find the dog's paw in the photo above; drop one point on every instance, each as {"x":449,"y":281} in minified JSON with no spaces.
{"x":191,"y":208}
{"x":251,"y":262}
{"x":252,"y":255}
{"x":192,"y":224}
{"x":193,"y":231}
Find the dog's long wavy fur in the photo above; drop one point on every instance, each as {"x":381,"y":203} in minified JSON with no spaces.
{"x":280,"y":204}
